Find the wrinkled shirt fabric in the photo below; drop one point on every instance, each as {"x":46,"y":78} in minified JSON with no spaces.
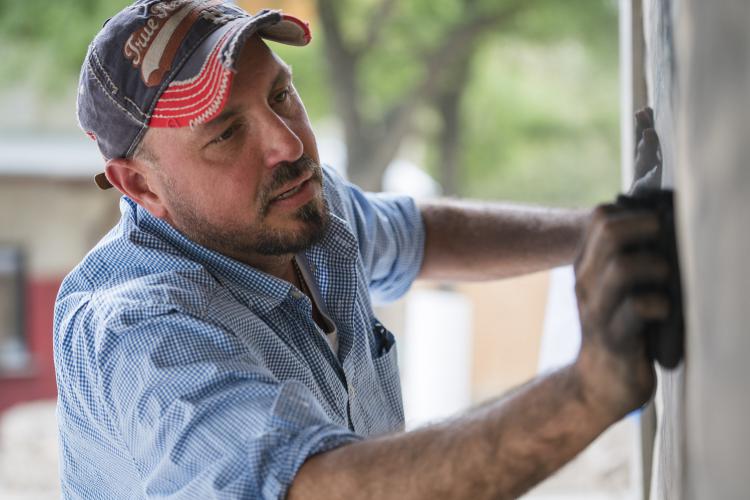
{"x":182,"y":373}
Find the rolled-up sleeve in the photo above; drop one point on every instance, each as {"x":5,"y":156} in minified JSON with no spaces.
{"x":390,"y":233}
{"x":199,"y":415}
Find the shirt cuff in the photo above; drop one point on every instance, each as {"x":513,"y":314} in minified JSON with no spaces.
{"x":292,"y":414}
{"x":409,"y":236}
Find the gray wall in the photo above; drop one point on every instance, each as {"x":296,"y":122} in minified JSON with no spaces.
{"x":659,"y":61}
{"x":713,"y":137}
{"x":698,"y":75}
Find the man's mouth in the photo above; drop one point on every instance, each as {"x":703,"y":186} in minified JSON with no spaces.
{"x":294,"y":194}
{"x":291,"y":191}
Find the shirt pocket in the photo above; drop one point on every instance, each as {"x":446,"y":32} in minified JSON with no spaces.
{"x":385,"y":362}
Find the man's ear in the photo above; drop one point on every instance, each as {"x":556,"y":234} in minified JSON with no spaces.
{"x":129,"y":176}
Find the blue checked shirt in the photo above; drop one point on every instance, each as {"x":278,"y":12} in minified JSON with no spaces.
{"x":182,"y":373}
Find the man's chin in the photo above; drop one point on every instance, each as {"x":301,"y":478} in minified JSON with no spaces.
{"x":307,"y":228}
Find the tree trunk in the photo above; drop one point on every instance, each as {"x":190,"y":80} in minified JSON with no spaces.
{"x":371,"y":145}
{"x":448,"y":104}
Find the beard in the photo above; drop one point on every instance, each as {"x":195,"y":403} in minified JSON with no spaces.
{"x":262,"y":238}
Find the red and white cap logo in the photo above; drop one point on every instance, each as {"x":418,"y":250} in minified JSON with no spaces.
{"x":201,"y":87}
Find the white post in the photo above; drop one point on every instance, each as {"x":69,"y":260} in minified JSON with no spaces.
{"x":436,"y":356}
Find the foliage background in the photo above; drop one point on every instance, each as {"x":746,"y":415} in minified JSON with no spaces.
{"x":538,"y":107}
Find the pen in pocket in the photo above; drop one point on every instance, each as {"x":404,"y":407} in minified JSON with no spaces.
{"x":383,"y":337}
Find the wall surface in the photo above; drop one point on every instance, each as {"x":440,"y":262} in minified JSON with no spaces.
{"x":713,"y":60}
{"x":662,"y":85}
{"x":698,"y":74}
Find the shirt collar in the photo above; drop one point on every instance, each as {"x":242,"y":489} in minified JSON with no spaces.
{"x":245,"y":282}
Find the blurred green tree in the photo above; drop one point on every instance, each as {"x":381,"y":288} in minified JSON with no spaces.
{"x":514,"y":98}
{"x":392,"y":61}
{"x":43,"y":43}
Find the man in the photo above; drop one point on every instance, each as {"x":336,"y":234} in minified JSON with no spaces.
{"x":220,"y":342}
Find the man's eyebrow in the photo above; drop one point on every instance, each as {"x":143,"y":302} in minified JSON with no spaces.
{"x":284,"y":74}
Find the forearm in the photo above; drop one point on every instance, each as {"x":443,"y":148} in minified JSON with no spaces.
{"x":497,"y":451}
{"x":480,"y":241}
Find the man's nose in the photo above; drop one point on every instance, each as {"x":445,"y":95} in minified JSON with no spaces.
{"x":282,"y":144}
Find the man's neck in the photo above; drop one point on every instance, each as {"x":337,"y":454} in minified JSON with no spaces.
{"x":280,"y":266}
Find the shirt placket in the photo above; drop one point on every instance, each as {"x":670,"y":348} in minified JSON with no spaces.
{"x":340,"y":269}
{"x":319,"y":347}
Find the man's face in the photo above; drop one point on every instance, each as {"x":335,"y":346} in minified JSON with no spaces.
{"x":247,"y":184}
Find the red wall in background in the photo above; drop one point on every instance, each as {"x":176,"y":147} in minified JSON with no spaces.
{"x":39,"y":381}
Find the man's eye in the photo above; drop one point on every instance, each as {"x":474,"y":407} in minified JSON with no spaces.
{"x":281,"y":96}
{"x":226,"y":135}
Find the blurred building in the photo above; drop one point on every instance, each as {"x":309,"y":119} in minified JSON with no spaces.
{"x":51,"y":213}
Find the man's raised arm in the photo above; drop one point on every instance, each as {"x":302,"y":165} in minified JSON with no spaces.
{"x":507,"y":446}
{"x":484,"y":241}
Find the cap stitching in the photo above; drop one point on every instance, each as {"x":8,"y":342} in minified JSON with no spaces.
{"x":136,"y":140}
{"x":119,"y":106}
{"x":215,"y":88}
{"x":100,"y":68}
{"x":218,"y":99}
{"x":229,"y":60}
{"x":200,"y":72}
{"x":112,"y":84}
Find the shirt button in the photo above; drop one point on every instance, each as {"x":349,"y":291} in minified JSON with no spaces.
{"x":296,"y":294}
{"x":351,"y":390}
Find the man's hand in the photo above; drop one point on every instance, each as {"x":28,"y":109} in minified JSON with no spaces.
{"x":505,"y":447}
{"x":508,"y":445}
{"x":619,"y":284}
{"x":648,"y":160}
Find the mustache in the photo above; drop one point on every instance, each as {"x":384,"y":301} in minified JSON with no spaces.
{"x":287,"y":172}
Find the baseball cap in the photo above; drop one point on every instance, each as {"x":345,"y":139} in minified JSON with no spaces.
{"x":167,"y":63}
